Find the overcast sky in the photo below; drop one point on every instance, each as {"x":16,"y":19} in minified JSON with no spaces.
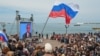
{"x":89,"y":10}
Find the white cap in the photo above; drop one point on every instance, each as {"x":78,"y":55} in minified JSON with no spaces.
{"x":48,"y":47}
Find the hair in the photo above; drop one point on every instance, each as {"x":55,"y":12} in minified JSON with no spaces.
{"x":38,"y":47}
{"x":5,"y":50}
{"x":20,"y":46}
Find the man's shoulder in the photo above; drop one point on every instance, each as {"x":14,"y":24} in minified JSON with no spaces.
{"x":25,"y":33}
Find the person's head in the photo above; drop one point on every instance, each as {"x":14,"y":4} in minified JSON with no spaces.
{"x":19,"y":46}
{"x":48,"y":48}
{"x":5,"y":50}
{"x":28,"y":27}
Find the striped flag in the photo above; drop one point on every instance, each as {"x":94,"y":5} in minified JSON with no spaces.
{"x":3,"y":37}
{"x":68,"y":11}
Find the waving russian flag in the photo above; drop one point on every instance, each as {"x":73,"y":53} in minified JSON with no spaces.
{"x":3,"y":37}
{"x":68,"y":11}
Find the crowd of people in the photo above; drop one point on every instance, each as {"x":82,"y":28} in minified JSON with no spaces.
{"x":76,"y":44}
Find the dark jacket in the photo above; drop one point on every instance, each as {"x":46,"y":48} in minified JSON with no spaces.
{"x":25,"y":35}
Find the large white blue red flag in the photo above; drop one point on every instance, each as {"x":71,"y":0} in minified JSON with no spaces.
{"x":68,"y":11}
{"x":3,"y":37}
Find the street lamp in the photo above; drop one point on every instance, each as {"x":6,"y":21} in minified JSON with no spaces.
{"x":31,"y":18}
{"x":18,"y":17}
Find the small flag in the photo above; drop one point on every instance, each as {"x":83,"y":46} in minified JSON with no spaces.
{"x":3,"y":37}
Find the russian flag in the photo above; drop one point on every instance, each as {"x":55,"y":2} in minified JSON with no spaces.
{"x":68,"y":11}
{"x":3,"y":37}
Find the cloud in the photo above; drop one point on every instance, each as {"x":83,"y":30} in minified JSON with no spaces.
{"x":41,"y":8}
{"x":31,"y":5}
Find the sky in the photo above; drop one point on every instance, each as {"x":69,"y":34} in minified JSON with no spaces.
{"x":89,"y":10}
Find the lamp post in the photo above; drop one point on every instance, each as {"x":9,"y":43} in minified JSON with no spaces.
{"x":32,"y":20}
{"x":17,"y":20}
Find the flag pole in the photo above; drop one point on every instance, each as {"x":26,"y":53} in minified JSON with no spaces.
{"x":44,"y":26}
{"x":66,"y":26}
